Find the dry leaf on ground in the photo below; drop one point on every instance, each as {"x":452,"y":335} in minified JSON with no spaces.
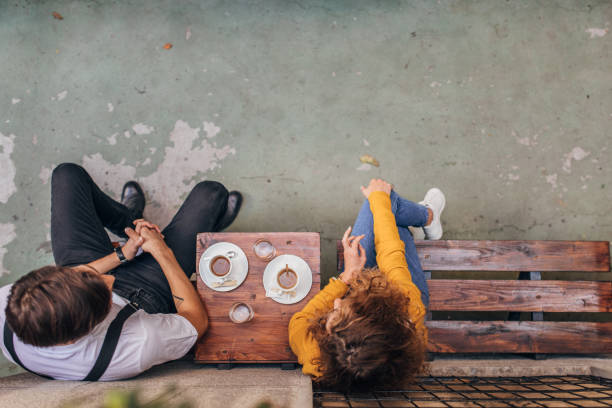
{"x":366,"y":158}
{"x":167,"y":46}
{"x":57,"y":15}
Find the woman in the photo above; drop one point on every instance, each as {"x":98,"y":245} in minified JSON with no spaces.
{"x":366,"y":327}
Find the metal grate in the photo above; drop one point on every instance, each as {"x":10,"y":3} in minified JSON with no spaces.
{"x":456,"y":392}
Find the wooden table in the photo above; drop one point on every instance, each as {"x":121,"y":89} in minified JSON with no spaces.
{"x":264,"y":339}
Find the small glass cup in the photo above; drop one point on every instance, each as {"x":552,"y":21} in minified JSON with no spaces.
{"x":241,"y":312}
{"x":264,"y":249}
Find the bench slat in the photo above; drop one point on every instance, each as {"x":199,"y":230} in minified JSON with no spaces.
{"x":520,"y":337}
{"x":520,"y":295}
{"x":560,"y":256}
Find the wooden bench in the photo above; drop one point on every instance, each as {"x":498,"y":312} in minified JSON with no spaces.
{"x":529,"y":294}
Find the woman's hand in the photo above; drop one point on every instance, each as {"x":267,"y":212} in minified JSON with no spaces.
{"x":354,"y":256}
{"x":133,"y":243}
{"x":376,"y":185}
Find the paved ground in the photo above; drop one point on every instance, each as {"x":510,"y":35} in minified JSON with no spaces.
{"x":504,"y":105}
{"x":245,"y":387}
{"x":202,"y":386}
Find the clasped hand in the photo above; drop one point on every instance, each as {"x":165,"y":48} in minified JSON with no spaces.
{"x":146,"y":235}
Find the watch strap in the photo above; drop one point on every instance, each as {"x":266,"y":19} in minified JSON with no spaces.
{"x":120,"y":255}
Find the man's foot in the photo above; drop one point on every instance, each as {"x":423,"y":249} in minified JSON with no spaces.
{"x":435,"y":201}
{"x":133,"y":198}
{"x":234,"y":202}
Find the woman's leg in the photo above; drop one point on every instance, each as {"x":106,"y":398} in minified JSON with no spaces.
{"x":409,"y":212}
{"x":414,"y":264}
{"x":142,"y":280}
{"x":79,"y":213}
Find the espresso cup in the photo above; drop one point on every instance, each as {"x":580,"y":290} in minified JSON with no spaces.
{"x":287,"y":279}
{"x":220,"y":266}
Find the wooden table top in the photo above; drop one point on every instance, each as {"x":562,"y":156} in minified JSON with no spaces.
{"x":264,"y":339}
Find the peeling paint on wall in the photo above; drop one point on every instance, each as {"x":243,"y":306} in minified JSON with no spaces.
{"x":110,"y":107}
{"x":552,"y":180}
{"x":7,"y":168}
{"x":577,"y":154}
{"x":597,"y":32}
{"x":112,"y":139}
{"x":210,"y":129}
{"x":15,"y":101}
{"x":173,"y":178}
{"x":7,"y":234}
{"x":60,"y":96}
{"x":142,"y":129}
{"x":110,"y":177}
{"x":45,"y":174}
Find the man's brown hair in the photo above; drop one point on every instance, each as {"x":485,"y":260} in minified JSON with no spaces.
{"x":56,"y":305}
{"x":370,"y":340}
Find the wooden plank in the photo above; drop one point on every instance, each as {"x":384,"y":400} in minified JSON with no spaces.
{"x":520,"y":296}
{"x":520,"y":337}
{"x":560,"y":256}
{"x":265,"y":339}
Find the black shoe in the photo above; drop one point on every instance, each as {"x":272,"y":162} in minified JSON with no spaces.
{"x":234,"y":202}
{"x":133,"y":198}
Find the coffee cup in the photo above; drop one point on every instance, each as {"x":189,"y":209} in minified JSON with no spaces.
{"x":287,"y":279}
{"x":220,"y":266}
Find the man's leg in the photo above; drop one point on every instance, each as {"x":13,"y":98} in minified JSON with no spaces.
{"x":200,"y":212}
{"x":79,"y":213}
{"x":142,"y":279}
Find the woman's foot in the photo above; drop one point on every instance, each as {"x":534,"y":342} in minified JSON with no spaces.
{"x":435,"y":201}
{"x":234,"y":202}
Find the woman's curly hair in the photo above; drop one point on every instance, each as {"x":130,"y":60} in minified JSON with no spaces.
{"x":371,"y":340}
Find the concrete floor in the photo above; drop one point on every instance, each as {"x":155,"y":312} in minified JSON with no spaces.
{"x":203,"y":387}
{"x":506,"y":106}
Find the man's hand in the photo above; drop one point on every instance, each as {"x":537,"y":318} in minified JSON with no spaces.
{"x":141,"y":223}
{"x":153,"y":241}
{"x":376,"y":185}
{"x":354,"y":256}
{"x":133,"y":243}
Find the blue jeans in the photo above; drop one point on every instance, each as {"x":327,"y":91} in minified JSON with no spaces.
{"x":407,"y":213}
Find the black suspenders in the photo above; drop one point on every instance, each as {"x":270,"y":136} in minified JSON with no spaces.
{"x":106,"y":353}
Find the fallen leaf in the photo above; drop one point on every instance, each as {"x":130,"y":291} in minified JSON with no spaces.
{"x":366,"y":158}
{"x":167,"y":46}
{"x":57,"y":15}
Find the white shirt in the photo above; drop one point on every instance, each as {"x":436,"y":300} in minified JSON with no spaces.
{"x":146,"y":340}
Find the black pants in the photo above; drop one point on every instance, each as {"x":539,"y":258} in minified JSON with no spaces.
{"x":80,"y":211}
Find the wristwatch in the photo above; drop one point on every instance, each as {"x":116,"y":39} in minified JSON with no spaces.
{"x":119,"y":252}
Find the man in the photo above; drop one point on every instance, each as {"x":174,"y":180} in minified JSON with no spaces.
{"x":104,"y":313}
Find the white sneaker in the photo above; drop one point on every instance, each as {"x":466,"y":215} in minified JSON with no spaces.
{"x":434,"y":200}
{"x":417,"y":233}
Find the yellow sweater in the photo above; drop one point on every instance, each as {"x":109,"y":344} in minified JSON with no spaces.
{"x":391,"y":260}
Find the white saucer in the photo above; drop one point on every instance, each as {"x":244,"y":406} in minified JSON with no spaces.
{"x":299,"y":266}
{"x":240,"y":266}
